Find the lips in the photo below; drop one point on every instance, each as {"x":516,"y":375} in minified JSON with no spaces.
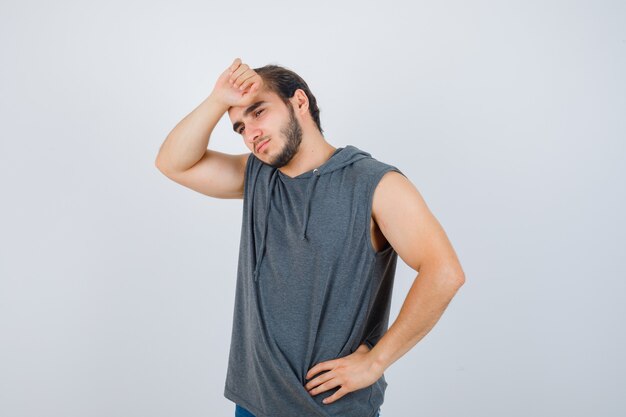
{"x":262,"y":145}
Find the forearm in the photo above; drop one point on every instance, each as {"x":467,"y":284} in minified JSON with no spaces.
{"x":425,"y":302}
{"x":188,"y":141}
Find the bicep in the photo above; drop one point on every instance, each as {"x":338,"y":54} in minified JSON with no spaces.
{"x":216,"y":174}
{"x":410,"y":227}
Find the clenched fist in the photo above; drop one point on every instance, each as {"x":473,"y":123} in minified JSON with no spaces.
{"x":238,"y":85}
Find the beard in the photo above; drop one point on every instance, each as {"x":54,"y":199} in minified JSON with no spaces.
{"x":292,"y":132}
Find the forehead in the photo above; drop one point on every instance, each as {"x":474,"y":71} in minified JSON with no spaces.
{"x":236,"y":113}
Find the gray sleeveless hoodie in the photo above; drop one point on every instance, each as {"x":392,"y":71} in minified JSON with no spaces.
{"x":310,"y":287}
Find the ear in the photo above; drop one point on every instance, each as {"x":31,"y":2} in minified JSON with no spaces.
{"x":300,"y":101}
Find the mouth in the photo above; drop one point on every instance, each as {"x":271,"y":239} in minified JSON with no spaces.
{"x":262,"y":145}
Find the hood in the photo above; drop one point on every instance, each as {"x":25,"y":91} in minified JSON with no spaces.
{"x":341,"y":158}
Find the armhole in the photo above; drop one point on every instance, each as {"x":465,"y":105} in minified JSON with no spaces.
{"x":246,"y":175}
{"x":370,"y":203}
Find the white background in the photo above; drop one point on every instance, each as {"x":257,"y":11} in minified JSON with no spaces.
{"x":117,"y":284}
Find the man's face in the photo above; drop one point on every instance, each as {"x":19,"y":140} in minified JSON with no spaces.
{"x":269,"y":129}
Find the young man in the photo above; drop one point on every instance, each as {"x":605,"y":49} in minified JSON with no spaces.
{"x":321,"y":232}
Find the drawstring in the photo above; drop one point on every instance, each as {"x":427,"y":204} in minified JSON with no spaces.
{"x":272,"y":183}
{"x":348,"y":157}
{"x":307,"y":203}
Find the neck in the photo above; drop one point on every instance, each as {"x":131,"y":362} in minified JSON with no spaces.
{"x":313,"y":152}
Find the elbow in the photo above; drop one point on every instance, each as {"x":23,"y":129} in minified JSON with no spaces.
{"x":449,"y":275}
{"x":162,"y":168}
{"x":460,"y":279}
{"x":455,"y":277}
{"x":160,"y":163}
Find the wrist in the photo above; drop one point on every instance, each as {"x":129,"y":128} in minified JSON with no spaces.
{"x":217,"y":101}
{"x":378,"y":360}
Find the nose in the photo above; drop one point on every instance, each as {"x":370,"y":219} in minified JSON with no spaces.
{"x":253,"y":134}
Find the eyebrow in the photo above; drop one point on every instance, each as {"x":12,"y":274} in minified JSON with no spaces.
{"x":246,"y":112}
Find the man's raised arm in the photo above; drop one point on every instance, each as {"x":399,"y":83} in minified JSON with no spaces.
{"x":184,"y":157}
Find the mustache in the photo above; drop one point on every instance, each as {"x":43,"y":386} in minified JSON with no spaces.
{"x":256,"y":144}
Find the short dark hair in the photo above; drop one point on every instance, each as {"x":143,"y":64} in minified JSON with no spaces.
{"x":284,"y":83}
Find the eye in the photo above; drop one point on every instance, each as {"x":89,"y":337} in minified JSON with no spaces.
{"x":256,"y":114}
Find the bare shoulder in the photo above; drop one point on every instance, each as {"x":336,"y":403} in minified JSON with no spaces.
{"x":407,"y":223}
{"x":394,"y":188}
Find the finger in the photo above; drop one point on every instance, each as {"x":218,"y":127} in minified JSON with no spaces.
{"x":319,"y":380}
{"x":338,"y":394}
{"x":242,"y":68}
{"x":257,"y":83}
{"x":330,"y":384}
{"x":234,"y":65}
{"x":251,"y":84}
{"x":244,"y":79}
{"x":322,"y":366}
